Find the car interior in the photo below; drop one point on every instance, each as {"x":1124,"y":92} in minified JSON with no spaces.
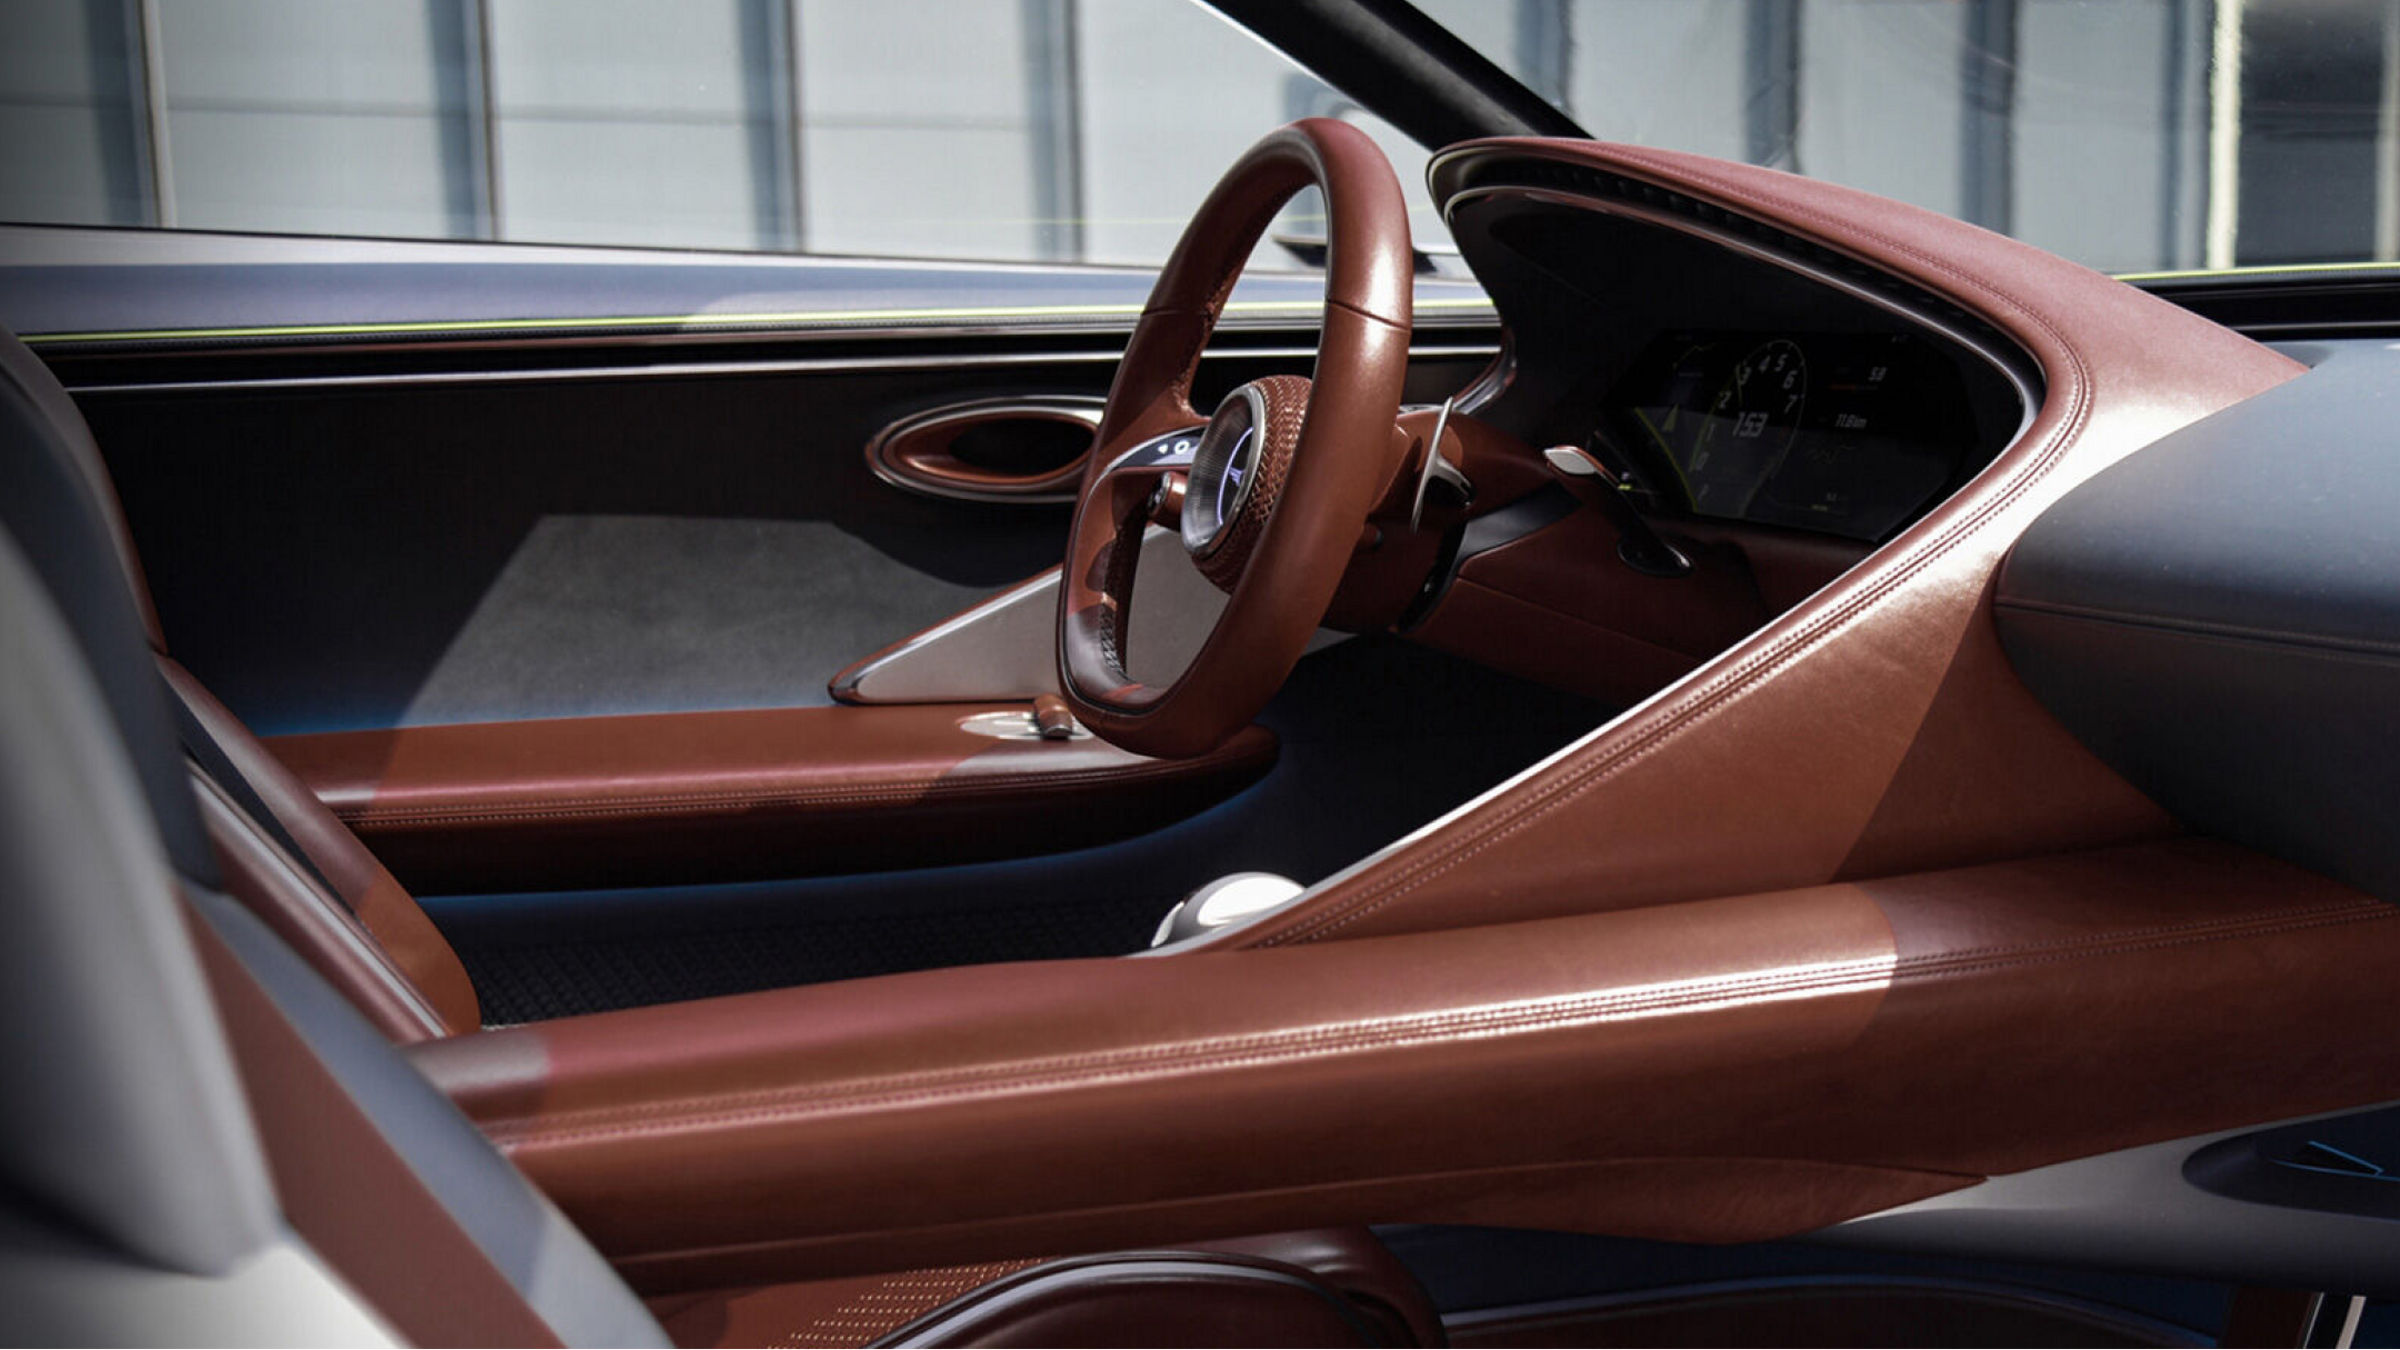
{"x":1776,"y":768}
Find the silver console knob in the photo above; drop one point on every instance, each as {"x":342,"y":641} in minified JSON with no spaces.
{"x":1227,"y":900}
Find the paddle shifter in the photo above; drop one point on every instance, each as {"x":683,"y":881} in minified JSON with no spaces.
{"x":1582,"y":474}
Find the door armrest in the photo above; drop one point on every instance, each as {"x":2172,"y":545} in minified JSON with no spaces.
{"x":686,"y":798}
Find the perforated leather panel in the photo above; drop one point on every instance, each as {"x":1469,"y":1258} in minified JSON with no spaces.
{"x":833,"y":1313}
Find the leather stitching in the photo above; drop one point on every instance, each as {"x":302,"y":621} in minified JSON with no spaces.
{"x":899,"y":1300}
{"x":1572,"y":780}
{"x":905,"y":791}
{"x":1187,"y":364}
{"x":1116,"y":589}
{"x":769,"y":1105}
{"x":776,"y":1105}
{"x":2131,"y":938}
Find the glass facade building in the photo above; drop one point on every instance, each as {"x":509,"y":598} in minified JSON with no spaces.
{"x":2129,"y":134}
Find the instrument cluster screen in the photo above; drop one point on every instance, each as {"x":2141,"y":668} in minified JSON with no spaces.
{"x":1846,"y":433}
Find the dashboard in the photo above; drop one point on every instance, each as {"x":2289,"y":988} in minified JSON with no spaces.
{"x":1842,"y":433}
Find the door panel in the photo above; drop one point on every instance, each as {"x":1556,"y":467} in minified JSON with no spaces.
{"x":1378,"y":736}
{"x":380,"y":557}
{"x":376,"y":556}
{"x":742,"y":795}
{"x":382,"y":483}
{"x":353,"y":529}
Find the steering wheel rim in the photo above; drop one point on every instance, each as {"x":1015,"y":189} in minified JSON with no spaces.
{"x":1341,"y":454}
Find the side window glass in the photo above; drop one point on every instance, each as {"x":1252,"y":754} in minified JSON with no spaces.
{"x":2135,"y":136}
{"x":1039,"y":131}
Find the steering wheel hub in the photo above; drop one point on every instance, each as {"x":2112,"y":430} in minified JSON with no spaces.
{"x":1238,"y":471}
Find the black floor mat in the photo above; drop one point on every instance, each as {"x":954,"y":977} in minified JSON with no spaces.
{"x":1379,"y":737}
{"x":536,"y":982}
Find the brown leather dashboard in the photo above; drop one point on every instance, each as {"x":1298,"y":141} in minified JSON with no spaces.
{"x":1722,"y":1070}
{"x":722,"y":796}
{"x":1557,"y":606}
{"x":1876,"y":727}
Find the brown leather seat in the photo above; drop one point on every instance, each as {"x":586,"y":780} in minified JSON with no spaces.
{"x":336,"y":905}
{"x":296,"y":868}
{"x":1323,"y":1287}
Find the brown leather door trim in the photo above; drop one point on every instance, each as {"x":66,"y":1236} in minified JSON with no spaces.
{"x":720,"y":796}
{"x":1721,"y":1070}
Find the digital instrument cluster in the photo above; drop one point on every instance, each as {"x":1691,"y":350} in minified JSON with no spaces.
{"x":1846,"y":433}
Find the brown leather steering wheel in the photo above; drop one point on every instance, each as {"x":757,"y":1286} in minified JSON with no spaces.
{"x":1319,"y":454}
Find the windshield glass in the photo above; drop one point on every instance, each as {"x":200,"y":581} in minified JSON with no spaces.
{"x":2136,"y":136}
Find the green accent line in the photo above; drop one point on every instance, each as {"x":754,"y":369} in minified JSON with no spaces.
{"x":2257,"y":270}
{"x":930,"y":315}
{"x":1668,"y":450}
{"x":803,"y":316}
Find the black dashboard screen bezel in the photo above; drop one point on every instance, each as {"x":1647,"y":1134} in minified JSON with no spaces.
{"x":1587,"y":290}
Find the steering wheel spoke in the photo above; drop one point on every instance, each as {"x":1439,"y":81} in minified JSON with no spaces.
{"x":1270,"y":497}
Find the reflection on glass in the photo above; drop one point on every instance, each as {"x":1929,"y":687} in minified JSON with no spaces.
{"x":2133,"y":135}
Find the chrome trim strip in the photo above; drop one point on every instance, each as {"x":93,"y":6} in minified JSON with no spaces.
{"x":1255,"y":401}
{"x":918,"y":319}
{"x":1006,"y":647}
{"x":851,"y":685}
{"x":135,"y":246}
{"x":1495,"y":379}
{"x":1170,"y":458}
{"x":787,"y":336}
{"x":703,"y":369}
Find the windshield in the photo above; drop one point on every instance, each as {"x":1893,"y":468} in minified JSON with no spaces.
{"x":2136,"y":136}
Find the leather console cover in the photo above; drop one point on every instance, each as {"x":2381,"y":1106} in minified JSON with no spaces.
{"x":1724,"y":1070}
{"x":721,"y":796}
{"x":1877,"y":726}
